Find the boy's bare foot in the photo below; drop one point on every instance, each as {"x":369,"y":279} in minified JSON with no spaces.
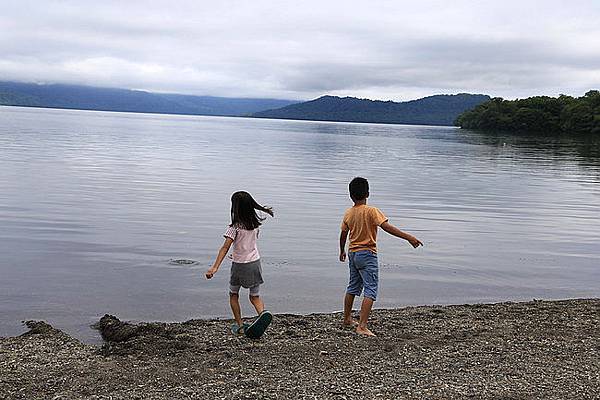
{"x":364,"y":331}
{"x":350,"y":324}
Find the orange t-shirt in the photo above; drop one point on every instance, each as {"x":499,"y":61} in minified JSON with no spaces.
{"x":362,"y":221}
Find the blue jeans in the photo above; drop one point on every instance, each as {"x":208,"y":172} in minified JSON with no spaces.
{"x":364,"y":273}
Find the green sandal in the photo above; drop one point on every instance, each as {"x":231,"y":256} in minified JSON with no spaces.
{"x":258,"y":327}
{"x":239,"y":330}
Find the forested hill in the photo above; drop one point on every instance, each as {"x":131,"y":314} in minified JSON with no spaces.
{"x":433,"y":110}
{"x":542,"y":114}
{"x":105,"y":99}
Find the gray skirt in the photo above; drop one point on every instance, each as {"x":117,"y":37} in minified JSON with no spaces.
{"x":246,"y":274}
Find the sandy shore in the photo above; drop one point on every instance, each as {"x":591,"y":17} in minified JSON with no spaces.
{"x":534,"y":350}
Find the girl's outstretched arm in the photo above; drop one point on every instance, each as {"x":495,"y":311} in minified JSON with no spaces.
{"x":392,"y":230}
{"x":220,"y":256}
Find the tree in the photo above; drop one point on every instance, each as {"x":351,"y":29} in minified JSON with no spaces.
{"x":563,"y":114}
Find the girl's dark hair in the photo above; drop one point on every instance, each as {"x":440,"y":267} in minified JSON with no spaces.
{"x":243,"y":211}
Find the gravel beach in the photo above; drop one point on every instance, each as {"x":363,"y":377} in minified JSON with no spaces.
{"x":532,"y":350}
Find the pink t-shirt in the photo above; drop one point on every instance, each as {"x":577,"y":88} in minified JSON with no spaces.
{"x":244,"y":244}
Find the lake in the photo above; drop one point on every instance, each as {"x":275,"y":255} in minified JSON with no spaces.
{"x":93,"y":205}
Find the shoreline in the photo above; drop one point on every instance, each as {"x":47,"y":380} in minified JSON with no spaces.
{"x":225,"y":116}
{"x":534,"y":350}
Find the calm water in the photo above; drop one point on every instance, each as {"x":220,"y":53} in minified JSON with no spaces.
{"x":93,"y":205}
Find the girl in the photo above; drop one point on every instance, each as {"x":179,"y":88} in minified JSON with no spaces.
{"x":245,"y":268}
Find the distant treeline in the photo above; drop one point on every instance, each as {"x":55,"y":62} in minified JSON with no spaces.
{"x":541,"y":114}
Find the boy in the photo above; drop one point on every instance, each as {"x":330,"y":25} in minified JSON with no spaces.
{"x":361,"y":222}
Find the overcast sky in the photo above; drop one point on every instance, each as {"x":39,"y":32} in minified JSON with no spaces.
{"x":397,"y":50}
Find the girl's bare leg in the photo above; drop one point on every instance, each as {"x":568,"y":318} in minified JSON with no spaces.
{"x":257,"y":303}
{"x":235,"y":307}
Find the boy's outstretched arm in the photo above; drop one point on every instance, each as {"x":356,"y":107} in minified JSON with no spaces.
{"x":222,"y":253}
{"x":392,"y":230}
{"x":343,"y":238}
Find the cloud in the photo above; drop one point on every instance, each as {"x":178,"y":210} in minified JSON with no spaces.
{"x":300,"y":50}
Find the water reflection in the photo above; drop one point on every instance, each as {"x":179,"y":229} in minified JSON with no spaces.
{"x":585,"y":149}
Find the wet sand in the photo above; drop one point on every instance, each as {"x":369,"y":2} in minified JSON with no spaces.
{"x":532,"y":350}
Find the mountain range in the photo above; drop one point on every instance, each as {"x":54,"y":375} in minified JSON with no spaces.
{"x":108,"y":99}
{"x":432,"y":110}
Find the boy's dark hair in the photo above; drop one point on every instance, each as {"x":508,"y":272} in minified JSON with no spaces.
{"x":359,"y":188}
{"x":243,"y":211}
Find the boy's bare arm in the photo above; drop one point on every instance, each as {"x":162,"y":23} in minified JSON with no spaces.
{"x":392,"y":230}
{"x":222,"y":253}
{"x":343,"y":238}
